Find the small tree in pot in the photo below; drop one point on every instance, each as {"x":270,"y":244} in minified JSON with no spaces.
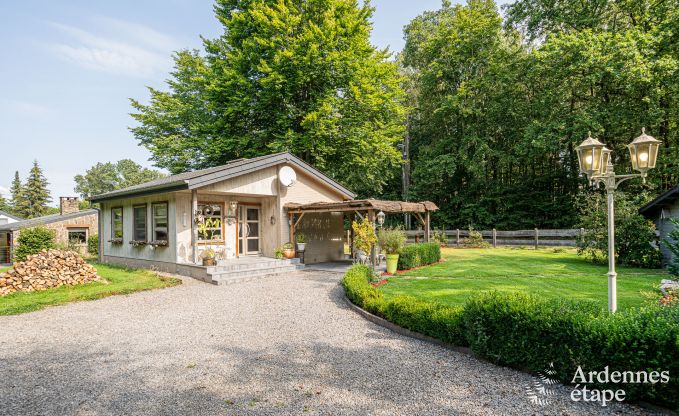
{"x":392,"y":241}
{"x":301,"y":240}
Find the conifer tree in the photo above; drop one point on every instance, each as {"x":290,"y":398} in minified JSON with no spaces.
{"x":34,"y":195}
{"x":16,"y":194}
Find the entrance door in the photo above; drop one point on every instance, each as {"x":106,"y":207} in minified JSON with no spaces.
{"x":248,"y":230}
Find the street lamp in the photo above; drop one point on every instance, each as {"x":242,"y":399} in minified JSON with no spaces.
{"x":596,"y":162}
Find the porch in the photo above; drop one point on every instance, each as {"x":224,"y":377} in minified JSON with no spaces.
{"x":240,"y":269}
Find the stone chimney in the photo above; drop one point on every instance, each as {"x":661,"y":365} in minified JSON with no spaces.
{"x":69,"y":204}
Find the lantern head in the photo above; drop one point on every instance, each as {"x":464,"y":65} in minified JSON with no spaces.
{"x":590,"y":156}
{"x":644,"y":152}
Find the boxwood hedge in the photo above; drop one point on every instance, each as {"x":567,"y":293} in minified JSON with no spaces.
{"x":528,"y":332}
{"x":421,"y":254}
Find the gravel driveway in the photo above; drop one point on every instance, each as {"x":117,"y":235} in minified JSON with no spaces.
{"x":279,"y":346}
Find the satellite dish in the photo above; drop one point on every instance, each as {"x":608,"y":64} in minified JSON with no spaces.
{"x":287,"y":176}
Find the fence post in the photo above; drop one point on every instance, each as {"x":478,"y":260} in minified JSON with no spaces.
{"x":536,"y":238}
{"x":458,"y":238}
{"x":494,"y":238}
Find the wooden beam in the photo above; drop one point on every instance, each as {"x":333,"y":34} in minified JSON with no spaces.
{"x":427,"y":227}
{"x":359,"y":215}
{"x":299,"y":219}
{"x":194,"y":226}
{"x":292,"y":228}
{"x":419,"y":217}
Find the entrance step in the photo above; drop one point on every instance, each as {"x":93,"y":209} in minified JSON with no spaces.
{"x":247,"y":269}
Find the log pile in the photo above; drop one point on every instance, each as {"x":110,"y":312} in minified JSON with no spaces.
{"x":46,"y":270}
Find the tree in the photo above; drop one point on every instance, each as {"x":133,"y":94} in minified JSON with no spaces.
{"x":288,"y":75}
{"x":107,"y":177}
{"x":34,"y":194}
{"x":4,"y":206}
{"x":16,"y":194}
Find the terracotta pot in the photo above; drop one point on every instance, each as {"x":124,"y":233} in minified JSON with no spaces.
{"x":289,"y":254}
{"x":209,"y":262}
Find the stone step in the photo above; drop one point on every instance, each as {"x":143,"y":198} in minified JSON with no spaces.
{"x":260,"y":270}
{"x":247,"y":277}
{"x":259,"y":263}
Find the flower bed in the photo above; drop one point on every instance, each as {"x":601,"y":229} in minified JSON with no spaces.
{"x":528,"y":332}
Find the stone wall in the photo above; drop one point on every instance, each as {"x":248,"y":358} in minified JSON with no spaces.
{"x":61,"y":228}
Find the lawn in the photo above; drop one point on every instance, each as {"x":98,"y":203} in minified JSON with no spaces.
{"x":546,"y":272}
{"x":117,"y":281}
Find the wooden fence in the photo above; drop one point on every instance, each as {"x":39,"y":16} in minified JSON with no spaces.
{"x":535,"y":237}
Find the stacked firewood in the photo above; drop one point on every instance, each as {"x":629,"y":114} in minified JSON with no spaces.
{"x":46,"y":270}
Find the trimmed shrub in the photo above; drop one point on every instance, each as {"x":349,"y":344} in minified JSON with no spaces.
{"x":421,"y":254}
{"x":33,"y":241}
{"x":93,"y":244}
{"x":524,"y":331}
{"x":530,"y":333}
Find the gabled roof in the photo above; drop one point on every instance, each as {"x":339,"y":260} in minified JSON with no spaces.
{"x":363,"y":204}
{"x":10,"y":216}
{"x":47,"y":219}
{"x":204,"y":177}
{"x":662,"y":201}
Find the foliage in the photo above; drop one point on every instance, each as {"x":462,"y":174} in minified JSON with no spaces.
{"x":561,"y":275}
{"x":634,"y":235}
{"x":93,"y":244}
{"x":672,"y":243}
{"x":278,"y":253}
{"x":301,"y":238}
{"x":115,"y":281}
{"x":364,"y":235}
{"x":474,"y":240}
{"x":391,"y":240}
{"x":208,"y":228}
{"x":291,"y":75}
{"x":106,"y":177}
{"x":527,"y":332}
{"x":208,"y":253}
{"x":16,"y":190}
{"x":32,"y":241}
{"x":416,"y":255}
{"x":34,"y":195}
{"x":496,"y":115}
{"x":288,"y":246}
{"x":440,"y":237}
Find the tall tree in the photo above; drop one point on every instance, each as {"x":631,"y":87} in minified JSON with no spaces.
{"x":286,"y":75}
{"x":34,"y":195}
{"x":107,"y":177}
{"x":16,"y":192}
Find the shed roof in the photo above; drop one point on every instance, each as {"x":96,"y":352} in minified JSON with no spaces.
{"x":47,"y":219}
{"x":204,"y":177}
{"x":363,"y":205}
{"x":661,"y":201}
{"x":8,"y":215}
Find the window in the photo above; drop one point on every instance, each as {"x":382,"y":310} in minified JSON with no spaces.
{"x":117,"y":222}
{"x":139,"y":219}
{"x":160,"y":217}
{"x":210,"y":229}
{"x":77,"y":235}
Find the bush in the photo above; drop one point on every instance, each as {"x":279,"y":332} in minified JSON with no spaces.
{"x":474,"y":240}
{"x":420,"y":254}
{"x":634,"y":235}
{"x":530,"y":333}
{"x":391,"y":240}
{"x":526,"y":332}
{"x":32,"y":241}
{"x":93,"y":244}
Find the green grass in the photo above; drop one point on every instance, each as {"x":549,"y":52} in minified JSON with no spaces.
{"x":545,"y":272}
{"x":118,"y":281}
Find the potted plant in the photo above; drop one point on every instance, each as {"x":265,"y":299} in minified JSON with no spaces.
{"x":288,"y":250}
{"x":301,"y":241}
{"x":278,"y":253}
{"x":392,"y":240}
{"x":208,"y":256}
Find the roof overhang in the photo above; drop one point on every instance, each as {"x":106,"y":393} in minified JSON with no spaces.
{"x":229,"y":171}
{"x":661,"y":201}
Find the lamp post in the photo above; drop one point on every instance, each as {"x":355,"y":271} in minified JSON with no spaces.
{"x":596,"y":162}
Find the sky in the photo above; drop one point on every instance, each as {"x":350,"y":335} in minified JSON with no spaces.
{"x":68,"y":69}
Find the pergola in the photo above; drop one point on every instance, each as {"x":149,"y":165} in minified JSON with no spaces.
{"x":363,"y":207}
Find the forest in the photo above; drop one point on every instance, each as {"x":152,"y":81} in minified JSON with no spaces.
{"x":482,"y":109}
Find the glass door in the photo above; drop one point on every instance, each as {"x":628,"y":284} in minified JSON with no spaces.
{"x":248,"y":230}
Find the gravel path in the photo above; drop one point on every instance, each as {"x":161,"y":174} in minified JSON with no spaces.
{"x":279,"y":346}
